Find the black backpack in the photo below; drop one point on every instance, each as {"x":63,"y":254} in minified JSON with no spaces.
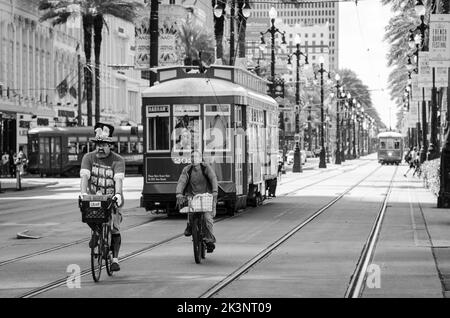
{"x":189,"y":172}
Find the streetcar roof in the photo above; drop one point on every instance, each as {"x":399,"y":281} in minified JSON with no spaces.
{"x":75,"y":131}
{"x":387,"y":134}
{"x":186,"y":87}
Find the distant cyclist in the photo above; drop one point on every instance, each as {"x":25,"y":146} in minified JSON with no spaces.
{"x":102,"y":173}
{"x":197,"y":178}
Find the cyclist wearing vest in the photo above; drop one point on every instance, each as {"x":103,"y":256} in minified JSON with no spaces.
{"x":102,"y":172}
{"x":198,"y":178}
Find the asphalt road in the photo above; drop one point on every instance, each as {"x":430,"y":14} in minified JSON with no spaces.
{"x":317,"y":261}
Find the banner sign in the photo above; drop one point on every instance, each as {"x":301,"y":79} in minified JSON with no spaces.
{"x":440,"y":40}
{"x":441,"y":76}
{"x":142,"y":38}
{"x":425,"y":75}
{"x":416,"y":90}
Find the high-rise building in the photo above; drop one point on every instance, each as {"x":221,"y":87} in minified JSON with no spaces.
{"x":307,"y":18}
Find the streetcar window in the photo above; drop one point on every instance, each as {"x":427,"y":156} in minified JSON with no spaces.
{"x":397,"y":145}
{"x":83,"y":147}
{"x":382,"y":145}
{"x":187,"y":127}
{"x":217,"y":127}
{"x":123,"y":147}
{"x":34,"y":145}
{"x":72,"y":145}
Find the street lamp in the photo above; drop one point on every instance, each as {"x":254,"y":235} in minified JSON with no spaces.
{"x":243,"y":14}
{"x":272,"y":30}
{"x":297,"y":154}
{"x":322,"y":163}
{"x":338,"y":159}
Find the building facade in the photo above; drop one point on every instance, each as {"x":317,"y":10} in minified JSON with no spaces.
{"x":309,"y":19}
{"x":39,"y":73}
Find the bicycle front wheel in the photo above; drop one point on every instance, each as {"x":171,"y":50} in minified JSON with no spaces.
{"x":196,"y":239}
{"x":96,"y":258}
{"x":107,"y":253}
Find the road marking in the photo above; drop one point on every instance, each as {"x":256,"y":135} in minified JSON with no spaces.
{"x":29,"y":224}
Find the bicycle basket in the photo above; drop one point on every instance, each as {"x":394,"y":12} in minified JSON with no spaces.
{"x":202,"y":203}
{"x":94,"y":209}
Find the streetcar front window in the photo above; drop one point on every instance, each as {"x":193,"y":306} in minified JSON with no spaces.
{"x":397,"y":145}
{"x":158,"y":131}
{"x":187,"y":128}
{"x":382,"y":145}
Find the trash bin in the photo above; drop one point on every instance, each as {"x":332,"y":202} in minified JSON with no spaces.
{"x":444,"y":191}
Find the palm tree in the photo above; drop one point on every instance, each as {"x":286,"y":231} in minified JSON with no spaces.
{"x":194,"y":39}
{"x":93,"y":14}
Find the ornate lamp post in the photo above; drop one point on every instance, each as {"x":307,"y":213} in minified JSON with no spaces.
{"x":338,"y":159}
{"x":243,"y":14}
{"x":272,"y":30}
{"x":297,"y":154}
{"x":322,"y":163}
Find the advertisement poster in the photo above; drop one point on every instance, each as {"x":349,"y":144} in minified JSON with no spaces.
{"x":440,"y":40}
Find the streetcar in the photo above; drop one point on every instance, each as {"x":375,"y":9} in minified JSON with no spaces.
{"x":59,"y":150}
{"x":390,"y":147}
{"x":225,"y":114}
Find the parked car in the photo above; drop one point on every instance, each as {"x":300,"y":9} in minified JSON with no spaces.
{"x":290,"y":157}
{"x":309,"y":154}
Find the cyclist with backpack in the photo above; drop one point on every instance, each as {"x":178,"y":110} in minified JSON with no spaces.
{"x":197,"y":178}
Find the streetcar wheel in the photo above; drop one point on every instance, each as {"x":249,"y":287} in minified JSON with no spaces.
{"x":96,"y":260}
{"x":107,"y":253}
{"x":196,"y":242}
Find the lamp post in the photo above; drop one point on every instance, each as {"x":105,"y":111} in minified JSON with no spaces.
{"x":297,"y":154}
{"x":272,"y":30}
{"x":322,"y":163}
{"x":338,"y":159}
{"x":244,"y":12}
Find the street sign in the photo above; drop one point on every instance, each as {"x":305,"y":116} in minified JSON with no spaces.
{"x":439,"y":40}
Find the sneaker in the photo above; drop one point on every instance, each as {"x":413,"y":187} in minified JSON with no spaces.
{"x":94,"y":241}
{"x":115,"y":267}
{"x":210,"y":247}
{"x":188,"y":230}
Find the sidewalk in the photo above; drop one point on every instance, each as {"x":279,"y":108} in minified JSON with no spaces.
{"x":437,"y":224}
{"x":9,"y":184}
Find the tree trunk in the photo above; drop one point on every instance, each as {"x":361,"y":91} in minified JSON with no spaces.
{"x":98,"y":26}
{"x":87,"y":32}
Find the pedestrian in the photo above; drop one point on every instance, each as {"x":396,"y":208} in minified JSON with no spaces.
{"x":411,"y":156}
{"x":21,"y":161}
{"x":5,"y":164}
{"x":12,"y":164}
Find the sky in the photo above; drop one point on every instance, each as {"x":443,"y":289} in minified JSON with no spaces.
{"x":362,"y":49}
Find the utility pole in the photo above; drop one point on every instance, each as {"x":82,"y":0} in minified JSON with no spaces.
{"x":154,"y":35}
{"x":79,"y":117}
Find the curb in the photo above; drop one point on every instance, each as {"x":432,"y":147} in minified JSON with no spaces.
{"x":27,"y":187}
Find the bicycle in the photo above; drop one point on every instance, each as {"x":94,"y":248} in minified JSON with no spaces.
{"x":197,"y":206}
{"x":96,"y":210}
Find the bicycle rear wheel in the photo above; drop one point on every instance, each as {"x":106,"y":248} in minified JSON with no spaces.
{"x":96,"y":258}
{"x":107,"y":253}
{"x":196,"y":239}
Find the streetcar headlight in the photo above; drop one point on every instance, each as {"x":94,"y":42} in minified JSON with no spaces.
{"x":390,"y":154}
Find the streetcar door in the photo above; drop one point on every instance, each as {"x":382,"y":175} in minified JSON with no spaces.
{"x":50,"y":153}
{"x":55,"y":153}
{"x":239,"y":145}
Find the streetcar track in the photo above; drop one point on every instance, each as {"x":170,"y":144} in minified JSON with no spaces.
{"x":358,"y":277}
{"x":73,"y":243}
{"x":269,"y":249}
{"x":59,"y":282}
